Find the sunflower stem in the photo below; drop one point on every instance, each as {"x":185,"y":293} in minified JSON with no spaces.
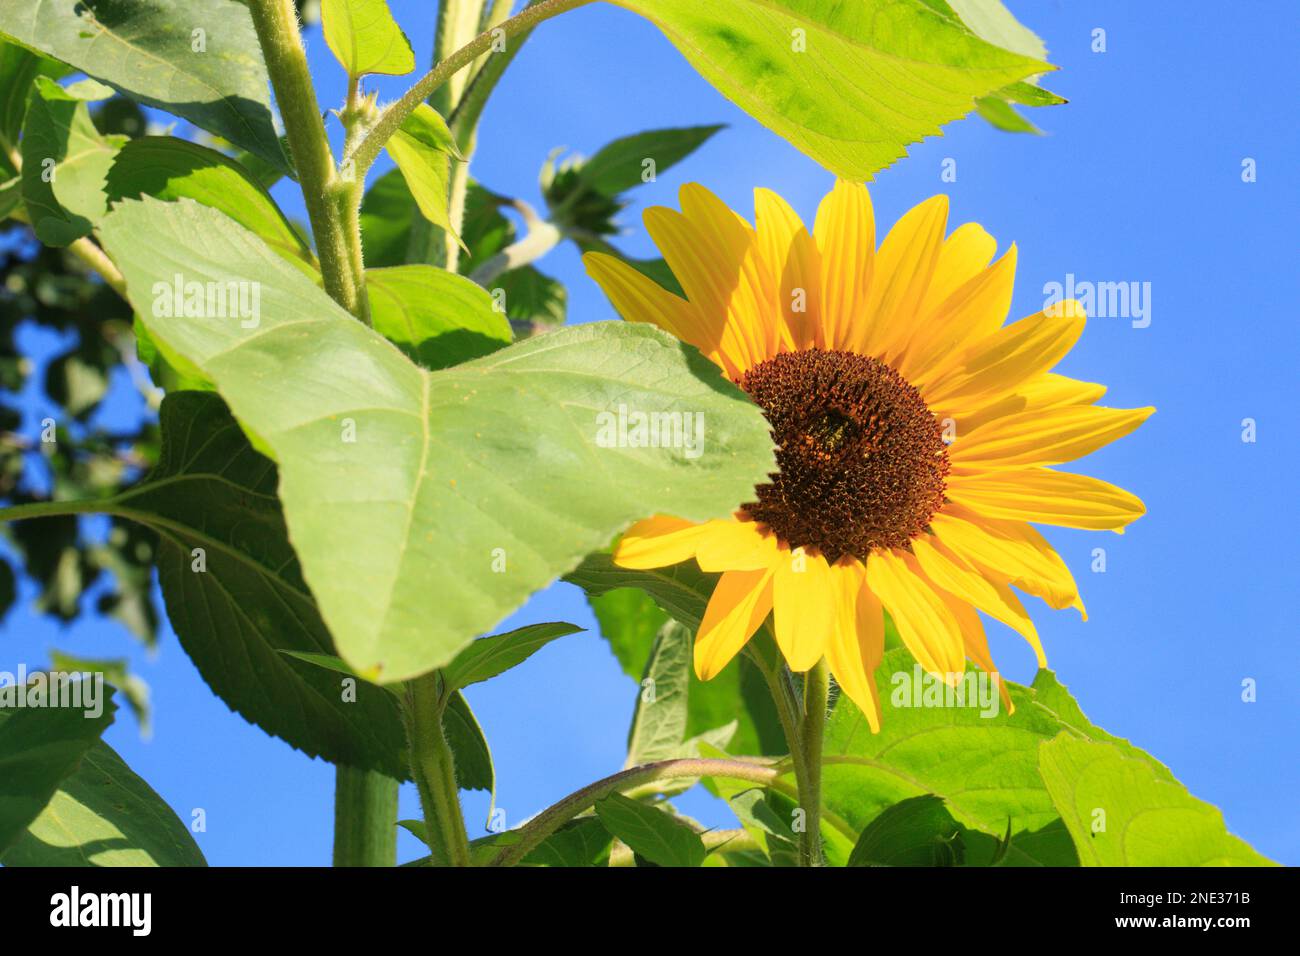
{"x":816,"y":693}
{"x":434,"y":770}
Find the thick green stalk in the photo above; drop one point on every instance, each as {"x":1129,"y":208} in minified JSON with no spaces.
{"x":276,"y":22}
{"x":816,"y":692}
{"x":434,"y":770}
{"x":365,"y":818}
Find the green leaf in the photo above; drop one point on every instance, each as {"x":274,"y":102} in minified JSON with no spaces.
{"x":1001,"y":116}
{"x":629,"y":621}
{"x":387,"y":211}
{"x":659,"y":722}
{"x":116,"y":671}
{"x":105,"y":815}
{"x":682,"y":592}
{"x":42,"y":745}
{"x":489,"y":656}
{"x":651,"y":833}
{"x":19,"y":68}
{"x":620,"y":164}
{"x":469,"y":747}
{"x":918,"y":831}
{"x":65,"y":160}
{"x":849,"y":84}
{"x":414,"y":512}
{"x":530,"y":295}
{"x":436,"y":317}
{"x":199,"y":59}
{"x":239,"y":616}
{"x":1121,"y":812}
{"x":170,"y":168}
{"x":984,"y":767}
{"x":580,"y":842}
{"x":423,"y":148}
{"x":365,"y":38}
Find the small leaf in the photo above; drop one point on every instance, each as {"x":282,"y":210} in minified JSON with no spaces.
{"x":199,"y":59}
{"x":436,"y":317}
{"x":651,"y":833}
{"x":580,"y":842}
{"x":621,"y":163}
{"x":117,"y":672}
{"x":918,"y":831}
{"x":365,"y":38}
{"x":423,"y":148}
{"x":489,"y":656}
{"x":469,"y":748}
{"x":659,"y":721}
{"x":65,"y":160}
{"x":1121,"y":812}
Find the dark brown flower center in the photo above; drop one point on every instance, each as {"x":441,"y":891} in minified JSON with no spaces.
{"x":862,"y":459}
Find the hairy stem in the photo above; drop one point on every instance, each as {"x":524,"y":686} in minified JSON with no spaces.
{"x":365,"y":818}
{"x":434,"y":770}
{"x":276,"y":22}
{"x":397,"y":112}
{"x":532,"y":833}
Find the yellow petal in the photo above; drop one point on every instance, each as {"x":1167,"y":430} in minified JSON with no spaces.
{"x":902,"y":272}
{"x":964,"y":255}
{"x":1008,"y":358}
{"x":1011,"y":551}
{"x":955,"y":576}
{"x":857,"y":643}
{"x":658,"y":542}
{"x":638,"y":298}
{"x":790,"y":255}
{"x":740,"y":602}
{"x":803,"y":609}
{"x":1045,"y":391}
{"x":975,"y":309}
{"x":1047,"y":497}
{"x":845,"y":230}
{"x":923,"y":620}
{"x":734,"y":546}
{"x":977,"y":645}
{"x":1048,"y":437}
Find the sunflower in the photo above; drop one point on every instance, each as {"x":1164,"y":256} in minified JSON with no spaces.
{"x":915,"y":433}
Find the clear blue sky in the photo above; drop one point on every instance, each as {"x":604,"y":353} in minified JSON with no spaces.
{"x":1138,"y":179}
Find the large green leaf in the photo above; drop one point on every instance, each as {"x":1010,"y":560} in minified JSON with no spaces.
{"x":199,"y":59}
{"x":40,"y":747}
{"x":651,"y":833}
{"x":65,"y":161}
{"x":105,"y":815}
{"x":237,"y":617}
{"x":984,"y":767}
{"x":170,"y":168}
{"x":425,"y":506}
{"x":436,"y":317}
{"x":19,"y":68}
{"x":365,"y":38}
{"x":850,"y":84}
{"x":1122,"y":812}
{"x":738,"y":693}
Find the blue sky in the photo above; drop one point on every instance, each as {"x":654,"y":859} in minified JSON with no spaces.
{"x":1138,"y":180}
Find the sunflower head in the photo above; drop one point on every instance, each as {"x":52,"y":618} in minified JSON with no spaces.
{"x":915,"y":433}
